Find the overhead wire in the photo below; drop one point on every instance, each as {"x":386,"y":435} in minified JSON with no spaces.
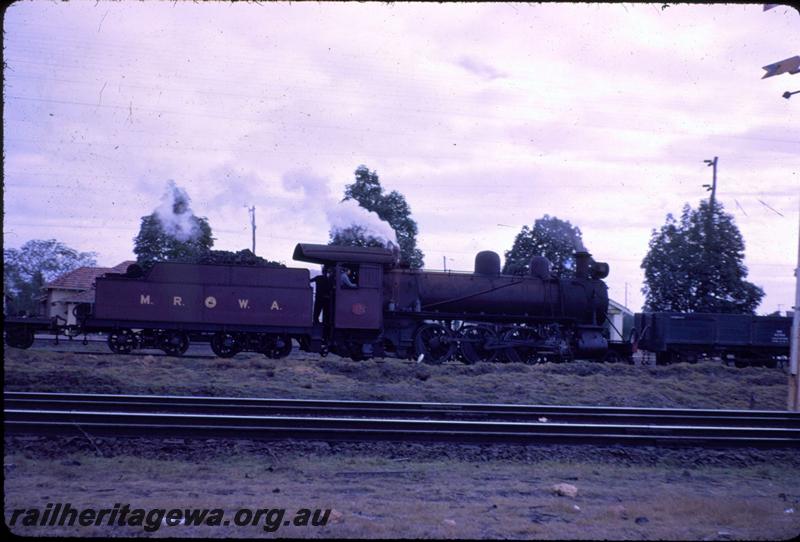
{"x":371,"y":75}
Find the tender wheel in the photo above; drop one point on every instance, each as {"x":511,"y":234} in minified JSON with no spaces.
{"x":276,"y":346}
{"x":225,"y":345}
{"x":476,"y":342}
{"x":174,"y":343}
{"x":19,"y":337}
{"x":434,"y":343}
{"x":121,"y":342}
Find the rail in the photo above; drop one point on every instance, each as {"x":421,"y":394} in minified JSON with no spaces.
{"x":227,"y":417}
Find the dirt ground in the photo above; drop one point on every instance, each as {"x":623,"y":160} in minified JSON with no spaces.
{"x":410,"y":490}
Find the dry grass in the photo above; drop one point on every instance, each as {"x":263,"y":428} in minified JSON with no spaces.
{"x":705,"y":385}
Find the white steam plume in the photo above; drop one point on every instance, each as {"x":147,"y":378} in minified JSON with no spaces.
{"x":175,"y":215}
{"x":343,"y":217}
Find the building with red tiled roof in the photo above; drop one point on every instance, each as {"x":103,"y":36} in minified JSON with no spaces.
{"x":64,"y":293}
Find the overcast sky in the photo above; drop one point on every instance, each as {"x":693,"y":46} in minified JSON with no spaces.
{"x":485,"y":116}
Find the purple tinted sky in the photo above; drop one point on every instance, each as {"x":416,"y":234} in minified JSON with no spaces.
{"x":483,"y":115}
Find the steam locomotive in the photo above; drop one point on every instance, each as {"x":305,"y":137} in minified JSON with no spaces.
{"x":429,"y":316}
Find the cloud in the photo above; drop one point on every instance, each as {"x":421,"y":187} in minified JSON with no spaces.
{"x":478,"y":114}
{"x":479,"y":68}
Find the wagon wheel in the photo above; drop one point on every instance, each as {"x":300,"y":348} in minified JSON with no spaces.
{"x":741,"y":362}
{"x":663,"y":358}
{"x":276,"y":346}
{"x":19,"y":337}
{"x":521,"y":353}
{"x":678,"y":357}
{"x":612,"y":357}
{"x":121,"y":342}
{"x":435,"y":343}
{"x":474,"y":341}
{"x":174,"y":343}
{"x":225,"y":345}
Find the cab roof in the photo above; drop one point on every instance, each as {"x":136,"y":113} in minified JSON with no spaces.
{"x":327,"y":254}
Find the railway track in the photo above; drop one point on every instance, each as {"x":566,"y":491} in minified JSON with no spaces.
{"x":225,"y":417}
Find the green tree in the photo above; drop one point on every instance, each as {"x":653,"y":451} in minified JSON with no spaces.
{"x":696,"y":265}
{"x":355,"y":235}
{"x":172,"y":232}
{"x":391,"y":208}
{"x":28,"y":269}
{"x":551,"y":237}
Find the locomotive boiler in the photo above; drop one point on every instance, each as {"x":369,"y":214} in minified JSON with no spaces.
{"x":485,"y":315}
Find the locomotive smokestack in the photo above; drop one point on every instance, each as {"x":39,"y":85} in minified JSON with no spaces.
{"x":587,"y":268}
{"x":583,"y":262}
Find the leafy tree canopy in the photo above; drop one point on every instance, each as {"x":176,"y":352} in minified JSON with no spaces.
{"x":696,"y":265}
{"x":551,"y":237}
{"x":391,"y":208}
{"x":356,"y":236}
{"x":28,"y":269}
{"x":172,"y":232}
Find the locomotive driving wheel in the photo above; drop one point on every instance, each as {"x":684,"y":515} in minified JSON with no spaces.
{"x":174,"y":343}
{"x":225,"y":345}
{"x":122,"y":341}
{"x":434,"y":343}
{"x":521,"y":348}
{"x":476,"y":342}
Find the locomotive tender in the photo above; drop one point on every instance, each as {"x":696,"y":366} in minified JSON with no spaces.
{"x":407,"y":313}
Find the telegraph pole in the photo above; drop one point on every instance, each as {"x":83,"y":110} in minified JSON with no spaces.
{"x":712,"y":187}
{"x":252,"y":211}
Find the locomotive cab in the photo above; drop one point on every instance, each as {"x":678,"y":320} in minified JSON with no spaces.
{"x":358,"y":298}
{"x":358,"y":307}
{"x":357,"y":295}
